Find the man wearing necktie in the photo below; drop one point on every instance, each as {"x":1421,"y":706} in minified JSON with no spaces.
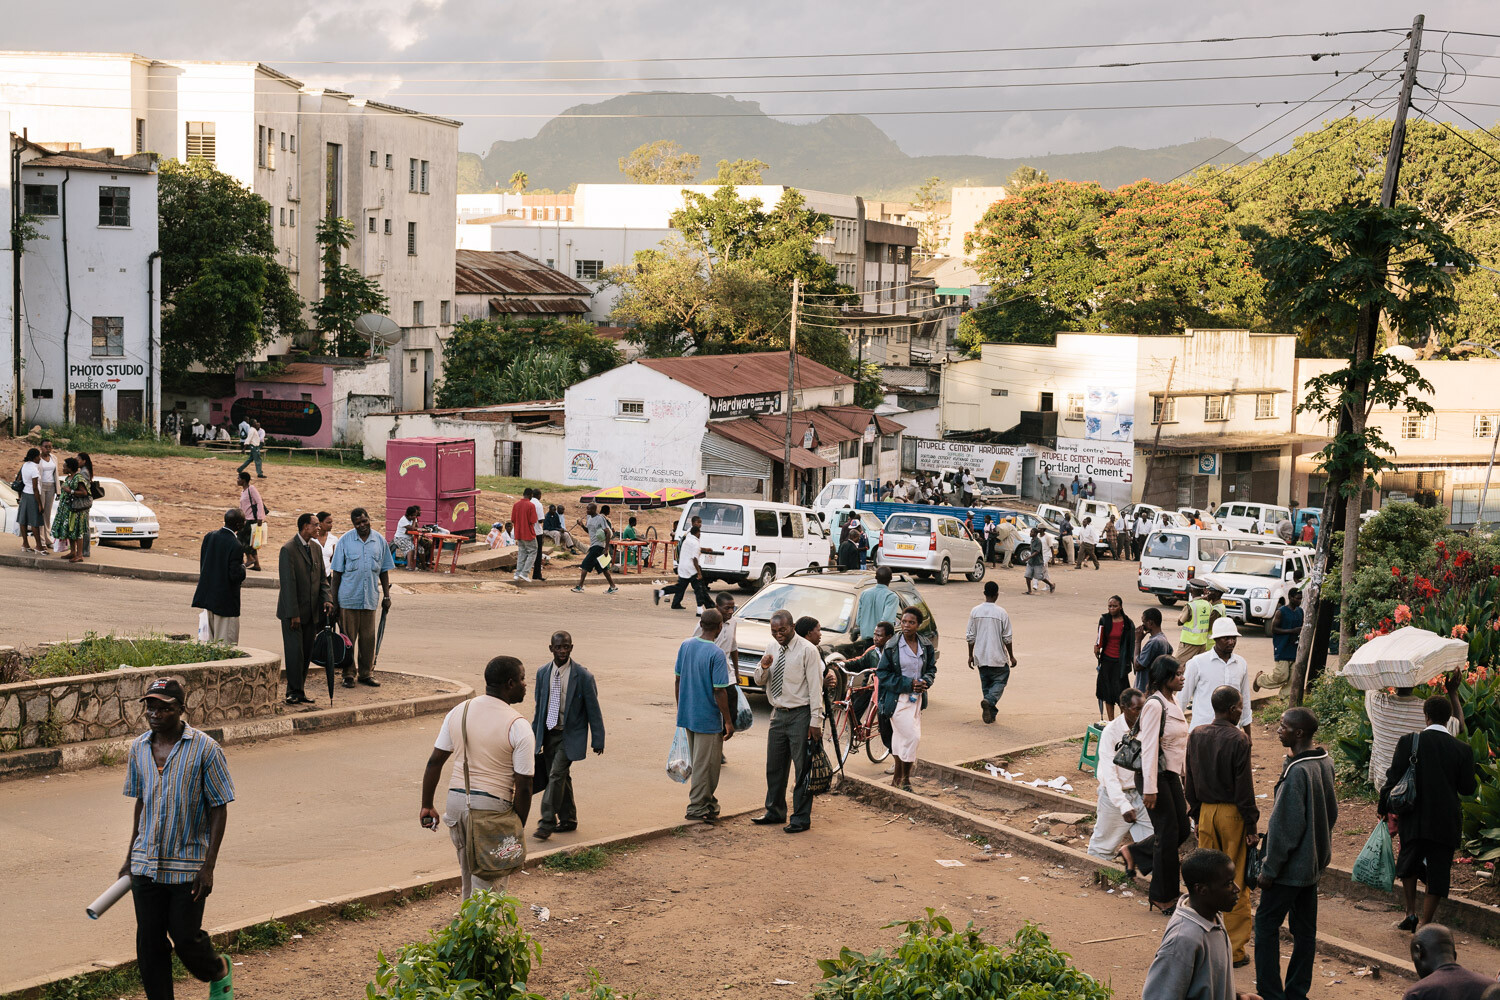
{"x":792,"y":674}
{"x":567,"y":711}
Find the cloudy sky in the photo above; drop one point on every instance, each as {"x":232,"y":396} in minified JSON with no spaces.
{"x":503,"y":68}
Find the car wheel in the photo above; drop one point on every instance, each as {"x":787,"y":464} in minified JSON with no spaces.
{"x":941,"y":576}
{"x":1019,"y":557}
{"x":814,"y":568}
{"x":1266,"y":628}
{"x":146,"y":542}
{"x":977,"y":573}
{"x":1170,"y":602}
{"x":767,"y":575}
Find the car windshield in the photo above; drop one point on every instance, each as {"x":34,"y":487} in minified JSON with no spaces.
{"x":721,"y":518}
{"x":1165,"y":545}
{"x":908,"y":524}
{"x":833,"y":491}
{"x":832,"y":608}
{"x":117,"y":491}
{"x":1249,"y":564}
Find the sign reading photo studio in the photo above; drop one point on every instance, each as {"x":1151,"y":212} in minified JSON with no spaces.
{"x":750,"y":404}
{"x":106,"y":377}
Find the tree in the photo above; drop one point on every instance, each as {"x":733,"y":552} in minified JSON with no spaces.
{"x":347,"y":294}
{"x":224,"y":294}
{"x":929,"y":195}
{"x":741,"y":171}
{"x":660,"y":162}
{"x":504,"y":361}
{"x":518,"y":181}
{"x":1024,"y":177}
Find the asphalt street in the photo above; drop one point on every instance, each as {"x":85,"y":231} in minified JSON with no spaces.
{"x":328,"y":814}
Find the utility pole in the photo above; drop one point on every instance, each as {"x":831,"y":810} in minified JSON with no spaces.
{"x":791,"y":376}
{"x":1312,"y":644}
{"x":1166,"y":397}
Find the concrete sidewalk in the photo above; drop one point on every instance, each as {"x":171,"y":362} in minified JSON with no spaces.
{"x":116,"y":559}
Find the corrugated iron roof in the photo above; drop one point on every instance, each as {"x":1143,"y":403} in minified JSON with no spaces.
{"x":295,"y":373}
{"x":830,"y":424}
{"x":508,"y":272}
{"x":739,"y":374}
{"x":759,"y":438}
{"x":535,"y":306}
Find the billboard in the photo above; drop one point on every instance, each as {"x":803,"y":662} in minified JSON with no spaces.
{"x":1108,"y":414}
{"x":996,"y":463}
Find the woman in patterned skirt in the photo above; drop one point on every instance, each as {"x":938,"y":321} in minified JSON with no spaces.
{"x":70,"y":522}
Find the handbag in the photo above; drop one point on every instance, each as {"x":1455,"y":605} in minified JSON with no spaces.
{"x":494,"y":840}
{"x":1129,"y":753}
{"x":819,"y":768}
{"x":331,"y":648}
{"x":96,"y":489}
{"x":1402,"y":798}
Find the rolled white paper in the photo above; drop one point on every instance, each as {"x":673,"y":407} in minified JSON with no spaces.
{"x":109,"y":898}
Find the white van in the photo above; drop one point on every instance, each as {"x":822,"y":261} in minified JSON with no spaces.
{"x":752,"y":542}
{"x":1259,"y":518}
{"x":1173,"y":556}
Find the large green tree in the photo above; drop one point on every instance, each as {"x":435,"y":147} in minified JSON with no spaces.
{"x":924,"y":210}
{"x":660,"y":162}
{"x":347,"y":293}
{"x":505,"y":361}
{"x":224,"y":293}
{"x":741,"y":171}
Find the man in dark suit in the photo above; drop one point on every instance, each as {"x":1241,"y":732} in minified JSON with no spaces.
{"x":304,"y":594}
{"x":221,"y":570}
{"x":567,"y":711}
{"x":1432,"y":830}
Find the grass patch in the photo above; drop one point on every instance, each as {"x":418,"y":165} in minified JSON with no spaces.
{"x":259,"y":937}
{"x":422,"y":892}
{"x":355,"y":911}
{"x":95,"y":653}
{"x":106,"y":984}
{"x":137,"y":441}
{"x":1268,"y":713}
{"x":109,"y":757}
{"x":513,"y":485}
{"x":587,"y":859}
{"x":1112,"y":878}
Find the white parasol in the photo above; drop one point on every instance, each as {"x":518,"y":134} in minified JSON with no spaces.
{"x":1404,"y":658}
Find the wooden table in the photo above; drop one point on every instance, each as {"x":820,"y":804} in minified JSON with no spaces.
{"x":645,"y":550}
{"x":437,"y":538}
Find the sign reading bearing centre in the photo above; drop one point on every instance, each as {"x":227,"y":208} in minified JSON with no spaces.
{"x":742,"y":406}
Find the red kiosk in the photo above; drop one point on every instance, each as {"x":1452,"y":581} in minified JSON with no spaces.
{"x":436,"y":474}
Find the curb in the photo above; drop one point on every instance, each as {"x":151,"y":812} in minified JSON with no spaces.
{"x":324,"y":908}
{"x":82,"y":756}
{"x":128,"y":572}
{"x":885,"y":797}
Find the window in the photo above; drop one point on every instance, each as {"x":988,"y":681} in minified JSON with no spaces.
{"x":791,"y":525}
{"x":109,"y":337}
{"x":848,"y":449}
{"x":283,"y":216}
{"x":411,"y":238}
{"x":838,"y":397}
{"x":1075,"y":406}
{"x":333,"y":181}
{"x":411,"y":176}
{"x":374,"y":158}
{"x":283,"y":140}
{"x":999,"y":392}
{"x":419,"y":313}
{"x":294,"y":143}
{"x":1216,"y":408}
{"x":260,"y":145}
{"x":765,"y":523}
{"x":1414,"y":426}
{"x":114,"y":206}
{"x":270,"y":149}
{"x":291,"y":217}
{"x":390,"y":162}
{"x":424,"y":176}
{"x":630,"y":408}
{"x":140,"y":135}
{"x":1484,"y":424}
{"x":587,"y":268}
{"x":1265,"y":405}
{"x":201,"y":141}
{"x":413,"y":362}
{"x":372,"y":223}
{"x":887,"y":442}
{"x":445,"y":312}
{"x":388,"y":227}
{"x":39,"y":199}
{"x":307,"y":397}
{"x":1163,"y":410}
{"x":1046,"y":403}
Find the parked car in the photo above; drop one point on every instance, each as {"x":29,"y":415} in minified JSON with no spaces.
{"x":1173,"y":556}
{"x":121,"y":516}
{"x":1259,"y":518}
{"x":1255,"y":580}
{"x":752,"y":542}
{"x":831,"y":598}
{"x":1025,"y":521}
{"x":10,"y":509}
{"x":931,"y":545}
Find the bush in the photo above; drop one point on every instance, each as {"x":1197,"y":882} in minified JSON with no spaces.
{"x":484,"y":954}
{"x":1344,"y":728}
{"x":933,"y":959}
{"x":95,"y":654}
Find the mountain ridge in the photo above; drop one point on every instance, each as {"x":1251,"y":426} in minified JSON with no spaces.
{"x":844,"y":153}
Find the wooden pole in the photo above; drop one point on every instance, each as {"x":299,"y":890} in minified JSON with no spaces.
{"x":1156,"y":439}
{"x":791,"y":370}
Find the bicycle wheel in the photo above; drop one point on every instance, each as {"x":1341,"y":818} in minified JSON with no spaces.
{"x":839,"y":724}
{"x":875,"y":747}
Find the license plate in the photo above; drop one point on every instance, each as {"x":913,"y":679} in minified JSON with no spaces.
{"x":906,"y":546}
{"x":1165,"y":574}
{"x":744,"y":682}
{"x":1232,"y":605}
{"x":124,"y":531}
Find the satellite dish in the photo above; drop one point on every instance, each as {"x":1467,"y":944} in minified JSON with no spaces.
{"x":380,"y":329}
{"x":1401,"y":352}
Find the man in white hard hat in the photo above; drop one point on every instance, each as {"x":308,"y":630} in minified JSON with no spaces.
{"x":1218,"y":667}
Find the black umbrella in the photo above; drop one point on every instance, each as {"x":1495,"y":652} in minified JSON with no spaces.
{"x":379,"y":637}
{"x":331,"y":633}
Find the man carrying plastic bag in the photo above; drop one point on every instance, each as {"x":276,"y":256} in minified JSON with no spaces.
{"x":704,"y":712}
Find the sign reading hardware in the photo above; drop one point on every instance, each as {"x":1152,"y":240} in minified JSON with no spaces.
{"x":741,"y":406}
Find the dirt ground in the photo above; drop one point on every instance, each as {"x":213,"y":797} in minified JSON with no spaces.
{"x":190,"y":495}
{"x":740,"y":907}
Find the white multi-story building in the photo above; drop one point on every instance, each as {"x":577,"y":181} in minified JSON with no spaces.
{"x":89,"y":304}
{"x":309,"y":152}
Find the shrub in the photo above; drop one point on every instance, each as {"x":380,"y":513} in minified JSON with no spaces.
{"x":1344,"y":728}
{"x":95,"y":653}
{"x":932,"y":959}
{"x":484,"y":954}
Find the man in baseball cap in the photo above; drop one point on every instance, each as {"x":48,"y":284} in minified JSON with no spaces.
{"x":180,"y":782}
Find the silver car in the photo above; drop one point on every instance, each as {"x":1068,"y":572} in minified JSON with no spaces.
{"x":931,"y":545}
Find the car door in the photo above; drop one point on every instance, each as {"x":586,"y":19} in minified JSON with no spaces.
{"x":767,"y":541}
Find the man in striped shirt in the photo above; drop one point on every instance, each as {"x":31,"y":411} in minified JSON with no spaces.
{"x":182,"y":790}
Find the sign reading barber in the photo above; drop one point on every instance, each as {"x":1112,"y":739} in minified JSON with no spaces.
{"x":750,"y":404}
{"x":105,"y":376}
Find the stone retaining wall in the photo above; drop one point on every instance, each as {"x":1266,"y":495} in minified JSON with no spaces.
{"x":59,"y":710}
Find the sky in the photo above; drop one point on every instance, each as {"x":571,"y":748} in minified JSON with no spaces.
{"x":503,"y":69}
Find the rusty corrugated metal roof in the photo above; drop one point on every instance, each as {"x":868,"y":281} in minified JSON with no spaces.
{"x":739,"y":374}
{"x":508,"y":272}
{"x":534,"y":306}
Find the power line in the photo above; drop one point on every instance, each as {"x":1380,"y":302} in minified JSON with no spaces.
{"x":1348,"y":135}
{"x":1456,"y":133}
{"x":1438,"y":99}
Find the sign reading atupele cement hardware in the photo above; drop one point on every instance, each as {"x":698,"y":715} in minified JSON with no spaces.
{"x":1001,"y":463}
{"x":742,"y":406}
{"x":996,"y":463}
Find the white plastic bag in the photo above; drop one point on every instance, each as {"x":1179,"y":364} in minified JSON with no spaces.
{"x":204,"y":634}
{"x":59,"y":545}
{"x":743,"y":717}
{"x":679,"y":758}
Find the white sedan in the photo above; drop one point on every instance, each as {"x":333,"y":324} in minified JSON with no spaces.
{"x":120,"y":516}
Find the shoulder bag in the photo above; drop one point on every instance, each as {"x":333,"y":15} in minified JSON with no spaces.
{"x":1402,"y":798}
{"x":494,"y":840}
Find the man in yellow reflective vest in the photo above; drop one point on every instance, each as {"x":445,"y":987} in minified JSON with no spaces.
{"x":1197,"y":618}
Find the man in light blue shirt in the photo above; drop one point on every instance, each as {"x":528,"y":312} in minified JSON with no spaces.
{"x":877,"y":604}
{"x":702,"y":691}
{"x":361,"y":558}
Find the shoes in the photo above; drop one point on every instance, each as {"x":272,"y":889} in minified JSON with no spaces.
{"x":565,"y":828}
{"x":348,"y":682}
{"x":675,"y":607}
{"x":305,"y":700}
{"x":765,"y":819}
{"x":540,"y":834}
{"x":612,"y":590}
{"x":369,"y":682}
{"x":987,"y":711}
{"x":698,"y":611}
{"x":293,"y":701}
{"x":656,"y":595}
{"x":1167,"y":909}
{"x":1409,"y":924}
{"x":578,"y":589}
{"x":1240,"y":963}
{"x":223,"y":987}
{"x":891,"y":769}
{"x":789,"y":828}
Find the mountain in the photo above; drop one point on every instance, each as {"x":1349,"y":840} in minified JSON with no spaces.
{"x":843,"y":153}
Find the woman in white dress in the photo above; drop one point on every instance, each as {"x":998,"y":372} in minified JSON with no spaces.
{"x":907,"y":669}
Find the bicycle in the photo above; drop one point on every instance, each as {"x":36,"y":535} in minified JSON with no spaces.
{"x":849,"y":731}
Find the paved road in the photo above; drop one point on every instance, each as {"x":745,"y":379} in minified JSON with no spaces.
{"x":322,"y":815}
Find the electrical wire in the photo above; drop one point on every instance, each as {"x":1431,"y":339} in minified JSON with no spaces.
{"x":1456,"y":132}
{"x":1450,"y":107}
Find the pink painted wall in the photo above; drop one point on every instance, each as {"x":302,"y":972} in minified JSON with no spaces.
{"x":282,"y":411}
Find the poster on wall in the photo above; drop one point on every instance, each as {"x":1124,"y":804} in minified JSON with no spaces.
{"x":1108,"y":414}
{"x":996,"y":463}
{"x":279,"y":417}
{"x":745,"y":405}
{"x":583,"y":466}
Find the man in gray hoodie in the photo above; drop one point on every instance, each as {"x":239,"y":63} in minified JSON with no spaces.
{"x":1298,"y":846}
